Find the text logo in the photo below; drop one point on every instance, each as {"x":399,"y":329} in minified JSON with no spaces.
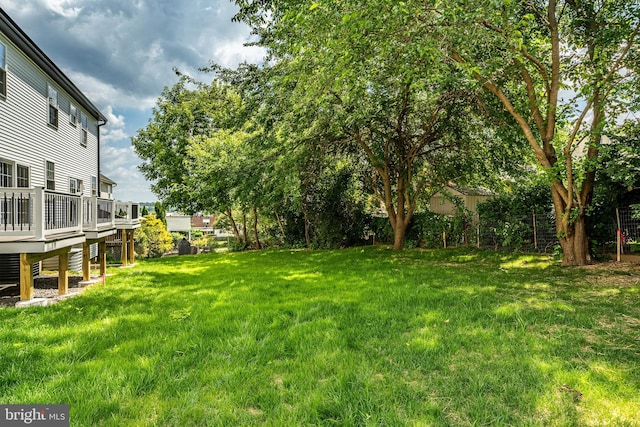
{"x":34,"y":415}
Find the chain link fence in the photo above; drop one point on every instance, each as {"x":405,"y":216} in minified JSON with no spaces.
{"x":537,"y":233}
{"x":626,"y":229}
{"x":534,"y":232}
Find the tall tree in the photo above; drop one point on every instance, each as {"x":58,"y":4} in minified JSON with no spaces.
{"x":563,"y":70}
{"x":186,"y":111}
{"x":356,"y":82}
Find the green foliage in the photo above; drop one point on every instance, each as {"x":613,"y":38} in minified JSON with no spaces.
{"x":425,"y":230}
{"x":507,"y":219}
{"x":144,"y":211}
{"x":331,"y":201}
{"x":202,"y":242}
{"x":176,"y":237}
{"x":522,"y":199}
{"x":368,"y":81}
{"x":618,"y":176}
{"x":189,"y":110}
{"x":160,"y":212}
{"x":152,"y":238}
{"x":565,"y":71}
{"x":382,"y":229}
{"x":621,"y":158}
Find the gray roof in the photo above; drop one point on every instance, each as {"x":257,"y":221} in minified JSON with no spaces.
{"x":14,"y":33}
{"x":106,"y":180}
{"x":471,"y":191}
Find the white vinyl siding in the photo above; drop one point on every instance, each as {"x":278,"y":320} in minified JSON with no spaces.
{"x":25,"y":137}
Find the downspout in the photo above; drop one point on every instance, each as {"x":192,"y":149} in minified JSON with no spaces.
{"x":98,"y":177}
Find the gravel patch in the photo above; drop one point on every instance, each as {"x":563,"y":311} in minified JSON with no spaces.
{"x":44,"y":287}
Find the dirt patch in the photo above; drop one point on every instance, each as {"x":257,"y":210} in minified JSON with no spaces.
{"x":613,"y":274}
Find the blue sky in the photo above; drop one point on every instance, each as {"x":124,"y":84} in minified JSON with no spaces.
{"x":121,"y":54}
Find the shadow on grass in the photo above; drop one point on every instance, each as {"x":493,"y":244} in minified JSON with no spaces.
{"x":355,"y":337}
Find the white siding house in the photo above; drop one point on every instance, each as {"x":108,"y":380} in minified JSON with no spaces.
{"x":50,"y":198}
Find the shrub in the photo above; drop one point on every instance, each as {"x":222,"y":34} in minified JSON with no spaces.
{"x":152,"y":239}
{"x":506,"y":221}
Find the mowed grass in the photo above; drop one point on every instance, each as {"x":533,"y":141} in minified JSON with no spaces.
{"x":364,"y":336}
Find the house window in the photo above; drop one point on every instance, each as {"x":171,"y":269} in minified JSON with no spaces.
{"x":51,"y":176}
{"x":85,"y":132}
{"x":3,"y":70}
{"x":94,"y":186}
{"x":6,"y":174}
{"x":73,"y":114}
{"x":22,"y":176}
{"x":52,"y":94}
{"x":75,"y":186}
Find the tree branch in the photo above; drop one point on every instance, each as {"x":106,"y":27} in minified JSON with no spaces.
{"x":539,"y":152}
{"x":531,"y":94}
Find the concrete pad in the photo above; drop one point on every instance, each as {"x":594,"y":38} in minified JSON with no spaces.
{"x":91,"y":281}
{"x":33,"y":302}
{"x":65,"y":296}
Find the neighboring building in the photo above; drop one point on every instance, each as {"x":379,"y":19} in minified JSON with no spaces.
{"x":127,"y":221}
{"x":440,"y":203}
{"x":178,"y":223}
{"x":106,"y":187}
{"x":188,"y":224}
{"x":50,"y":196}
{"x":203,"y":223}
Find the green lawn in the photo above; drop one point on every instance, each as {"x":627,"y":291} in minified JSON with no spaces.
{"x":350,"y":337}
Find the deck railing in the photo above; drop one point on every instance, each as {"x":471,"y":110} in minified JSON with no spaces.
{"x":16,"y":210}
{"x":127,"y":213}
{"x":37,"y":213}
{"x":97,"y":213}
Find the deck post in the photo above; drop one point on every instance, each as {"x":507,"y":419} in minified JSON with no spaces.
{"x":63,"y":273}
{"x":124,"y":247}
{"x":132,"y":253}
{"x":102,"y":256}
{"x":86,"y":260}
{"x":39,"y":207}
{"x":26,"y":278}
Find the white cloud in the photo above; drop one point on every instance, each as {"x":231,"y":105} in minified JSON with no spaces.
{"x":63,"y":7}
{"x":232,"y":53}
{"x":114,"y":130}
{"x":102,"y":93}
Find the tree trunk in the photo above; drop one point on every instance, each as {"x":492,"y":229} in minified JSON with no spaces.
{"x":400,"y":218}
{"x":399,"y":234}
{"x":575,"y":246}
{"x":234,"y":226}
{"x":284,"y":235}
{"x":572,"y":233}
{"x":307,"y":236}
{"x":399,"y":215}
{"x":255,"y":228}
{"x":244,"y":227}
